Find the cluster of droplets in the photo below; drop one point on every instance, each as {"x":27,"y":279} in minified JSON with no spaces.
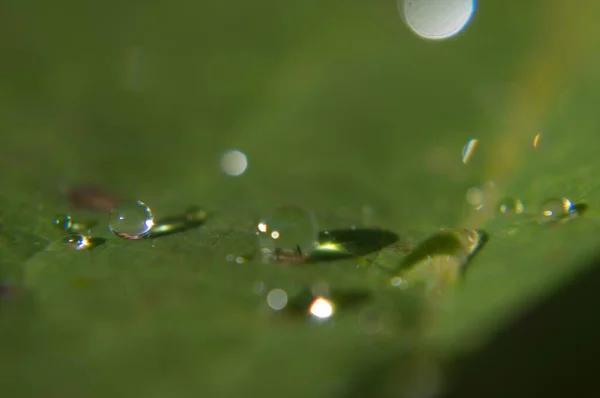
{"x":128,"y":219}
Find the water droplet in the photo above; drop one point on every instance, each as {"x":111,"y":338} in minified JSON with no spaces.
{"x":440,"y":259}
{"x":277,"y":299}
{"x":436,"y":20}
{"x":511,"y":206}
{"x":476,"y":198}
{"x":321,"y":308}
{"x":234,"y":162}
{"x":63,"y":222}
{"x":287,"y":233}
{"x":76,"y":241}
{"x":469,"y":149}
{"x":131,"y":219}
{"x":536,"y":140}
{"x":556,"y":209}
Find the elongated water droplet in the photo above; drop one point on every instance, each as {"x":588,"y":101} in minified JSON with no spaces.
{"x":439,"y":260}
{"x":131,"y":219}
{"x":555,"y":209}
{"x":63,"y":222}
{"x":289,"y":233}
{"x":510,"y":206}
{"x":469,"y":150}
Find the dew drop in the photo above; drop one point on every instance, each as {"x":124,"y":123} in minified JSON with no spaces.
{"x":277,"y":299}
{"x":469,"y":149}
{"x":76,"y":241}
{"x":289,"y":231}
{"x":131,"y":219}
{"x":555,"y":209}
{"x":63,"y":222}
{"x":510,"y":206}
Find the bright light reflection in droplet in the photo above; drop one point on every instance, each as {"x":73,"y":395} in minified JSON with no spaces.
{"x":262,"y":227}
{"x":436,"y":19}
{"x":275,"y":234}
{"x":234,"y":162}
{"x":277,"y":299}
{"x":321,"y":308}
{"x":469,"y":149}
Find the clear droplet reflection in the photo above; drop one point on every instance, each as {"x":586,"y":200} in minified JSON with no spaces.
{"x":63,"y":222}
{"x":555,"y":209}
{"x":131,"y":219}
{"x":75,"y":241}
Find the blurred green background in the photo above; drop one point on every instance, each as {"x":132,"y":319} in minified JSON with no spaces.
{"x":340,"y":109}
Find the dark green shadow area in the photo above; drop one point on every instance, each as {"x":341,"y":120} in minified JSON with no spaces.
{"x":580,"y":208}
{"x":348,"y":243}
{"x":550,"y":349}
{"x":95,"y":241}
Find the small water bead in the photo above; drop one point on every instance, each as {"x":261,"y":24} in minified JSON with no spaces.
{"x":76,"y":241}
{"x":556,"y":209}
{"x":287,"y":232}
{"x":63,"y":222}
{"x":131,"y":219}
{"x":510,"y":206}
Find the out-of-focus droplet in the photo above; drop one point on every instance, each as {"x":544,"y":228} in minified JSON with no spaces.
{"x":436,"y":19}
{"x":63,"y":222}
{"x":510,"y":206}
{"x":287,"y":233}
{"x":131,"y":219}
{"x":536,"y":140}
{"x":234,"y":162}
{"x":195,"y":214}
{"x":476,"y":198}
{"x":555,"y":209}
{"x":469,"y":150}
{"x":258,"y":287}
{"x":321,"y":308}
{"x":76,"y":241}
{"x":277,"y":299}
{"x":396,"y":281}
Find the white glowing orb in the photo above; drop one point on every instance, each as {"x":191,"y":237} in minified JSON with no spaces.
{"x":234,"y":162}
{"x":436,"y":19}
{"x":321,"y":308}
{"x":277,"y":299}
